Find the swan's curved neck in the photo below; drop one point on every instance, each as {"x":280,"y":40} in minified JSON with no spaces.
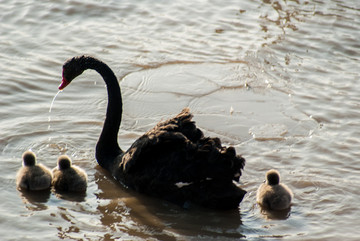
{"x":107,"y":147}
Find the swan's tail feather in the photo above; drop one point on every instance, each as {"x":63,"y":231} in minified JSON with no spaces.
{"x":217,"y":162}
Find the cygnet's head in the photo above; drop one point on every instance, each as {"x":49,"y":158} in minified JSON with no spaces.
{"x":29,"y":158}
{"x":272,"y":177}
{"x":64,"y":162}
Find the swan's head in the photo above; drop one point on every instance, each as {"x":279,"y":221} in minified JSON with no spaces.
{"x":272,"y":177}
{"x":29,"y":158}
{"x":72,"y":68}
{"x":64,"y":162}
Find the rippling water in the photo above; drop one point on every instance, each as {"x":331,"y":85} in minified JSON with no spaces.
{"x":278,"y":80}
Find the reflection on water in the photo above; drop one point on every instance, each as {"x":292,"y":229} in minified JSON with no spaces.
{"x":160,"y":219}
{"x":275,"y":215}
{"x":35,"y":200}
{"x":71,"y":196}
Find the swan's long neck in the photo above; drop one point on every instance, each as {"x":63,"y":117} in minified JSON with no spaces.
{"x":107,"y":147}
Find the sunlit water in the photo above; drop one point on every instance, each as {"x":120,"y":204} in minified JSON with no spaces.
{"x":278,"y":80}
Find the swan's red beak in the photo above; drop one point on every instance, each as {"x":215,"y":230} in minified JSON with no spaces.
{"x":63,"y":84}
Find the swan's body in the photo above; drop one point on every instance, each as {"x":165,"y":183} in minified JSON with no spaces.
{"x":68,"y":177}
{"x":172,"y":161}
{"x":272,"y":194}
{"x":32,"y":176}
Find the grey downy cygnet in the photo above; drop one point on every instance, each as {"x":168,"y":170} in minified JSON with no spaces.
{"x":272,"y":194}
{"x":68,"y":177}
{"x":32,"y":176}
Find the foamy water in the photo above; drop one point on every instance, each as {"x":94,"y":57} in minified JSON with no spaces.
{"x":278,"y":80}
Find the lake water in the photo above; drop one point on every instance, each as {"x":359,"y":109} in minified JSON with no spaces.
{"x":278,"y":80}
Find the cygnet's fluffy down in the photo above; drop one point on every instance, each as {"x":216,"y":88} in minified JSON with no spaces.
{"x":32,"y":176}
{"x":68,"y":177}
{"x":272,"y":194}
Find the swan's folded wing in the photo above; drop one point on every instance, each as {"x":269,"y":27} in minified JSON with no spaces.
{"x":154,"y":151}
{"x":182,"y":123}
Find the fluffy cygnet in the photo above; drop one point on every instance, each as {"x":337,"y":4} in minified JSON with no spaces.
{"x":272,"y":194}
{"x":33,"y":176}
{"x":68,"y":177}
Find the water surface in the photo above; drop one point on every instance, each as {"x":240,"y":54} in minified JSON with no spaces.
{"x":278,"y":80}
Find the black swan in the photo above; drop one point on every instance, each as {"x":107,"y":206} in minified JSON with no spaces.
{"x":68,"y":177}
{"x":272,"y":194}
{"x":33,"y":176}
{"x":173,"y":161}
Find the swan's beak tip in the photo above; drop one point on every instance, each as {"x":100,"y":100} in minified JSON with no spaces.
{"x":63,"y":84}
